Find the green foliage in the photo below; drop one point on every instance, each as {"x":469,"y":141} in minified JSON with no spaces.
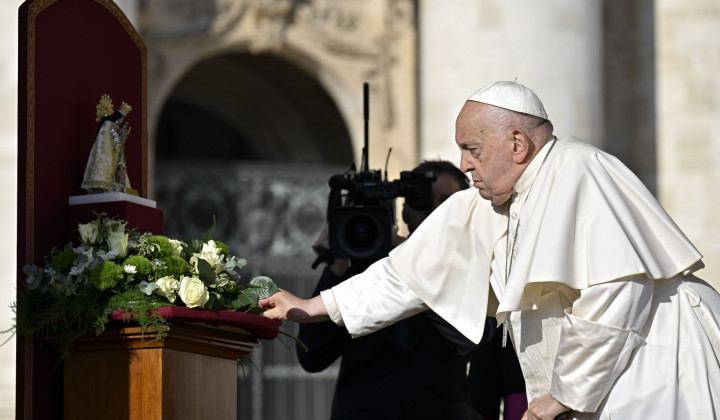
{"x":206,"y":272}
{"x":139,"y":308}
{"x":61,"y":321}
{"x":115,"y":268}
{"x":260,"y":287}
{"x":62,"y":261}
{"x":263,"y":286}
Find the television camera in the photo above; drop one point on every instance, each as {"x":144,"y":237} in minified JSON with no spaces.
{"x":361,"y":206}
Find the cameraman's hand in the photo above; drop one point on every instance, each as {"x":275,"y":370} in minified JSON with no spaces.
{"x":322,"y":245}
{"x":339,"y":266}
{"x":323,"y":239}
{"x":396,"y":239}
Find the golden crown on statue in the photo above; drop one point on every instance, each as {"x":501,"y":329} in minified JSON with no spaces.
{"x":104,"y":107}
{"x":124,"y":109}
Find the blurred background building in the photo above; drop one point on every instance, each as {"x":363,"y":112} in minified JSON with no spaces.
{"x":254,"y":104}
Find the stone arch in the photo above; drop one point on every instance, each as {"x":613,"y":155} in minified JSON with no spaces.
{"x":241,"y":106}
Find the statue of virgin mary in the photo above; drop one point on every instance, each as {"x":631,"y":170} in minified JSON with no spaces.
{"x":106,"y":168}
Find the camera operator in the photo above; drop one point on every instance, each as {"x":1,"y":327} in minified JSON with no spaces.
{"x":414,"y":369}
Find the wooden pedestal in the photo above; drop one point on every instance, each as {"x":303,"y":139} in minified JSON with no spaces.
{"x":191,"y":374}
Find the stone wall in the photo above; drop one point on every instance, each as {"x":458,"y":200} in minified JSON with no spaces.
{"x":688,"y":108}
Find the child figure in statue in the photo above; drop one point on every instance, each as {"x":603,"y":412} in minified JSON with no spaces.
{"x":106,"y":169}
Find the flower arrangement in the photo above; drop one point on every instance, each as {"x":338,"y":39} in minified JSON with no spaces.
{"x":115,"y":268}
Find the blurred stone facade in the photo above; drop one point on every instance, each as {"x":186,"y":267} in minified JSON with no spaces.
{"x":340,"y":45}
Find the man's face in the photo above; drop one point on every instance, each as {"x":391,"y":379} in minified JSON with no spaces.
{"x":444,"y":186}
{"x":486,"y":153}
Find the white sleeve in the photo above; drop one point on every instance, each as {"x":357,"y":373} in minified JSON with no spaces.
{"x":599,"y":333}
{"x":371,"y":300}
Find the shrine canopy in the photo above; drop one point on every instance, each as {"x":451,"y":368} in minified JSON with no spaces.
{"x":71,"y":52}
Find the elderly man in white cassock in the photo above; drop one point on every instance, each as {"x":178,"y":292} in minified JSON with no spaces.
{"x":591,"y":278}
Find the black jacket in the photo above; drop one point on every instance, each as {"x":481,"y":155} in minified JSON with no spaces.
{"x":413,"y":369}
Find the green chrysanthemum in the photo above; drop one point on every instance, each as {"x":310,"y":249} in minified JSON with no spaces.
{"x":106,"y":275}
{"x":176,"y":266}
{"x":163,"y":245}
{"x":142,"y":265}
{"x":63,"y":261}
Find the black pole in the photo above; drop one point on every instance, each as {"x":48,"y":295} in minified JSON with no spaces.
{"x":365,"y":166}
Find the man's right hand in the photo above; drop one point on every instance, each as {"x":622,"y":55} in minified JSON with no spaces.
{"x":286,"y":306}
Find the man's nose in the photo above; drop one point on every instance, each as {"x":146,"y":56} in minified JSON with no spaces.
{"x":465,"y":165}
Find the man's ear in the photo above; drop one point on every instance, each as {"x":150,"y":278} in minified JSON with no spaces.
{"x":523,"y":147}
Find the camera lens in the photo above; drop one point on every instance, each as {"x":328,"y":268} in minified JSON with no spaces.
{"x":361,"y":232}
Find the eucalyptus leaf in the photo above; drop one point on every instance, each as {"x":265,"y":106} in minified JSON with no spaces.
{"x":241,"y":262}
{"x":148,"y":288}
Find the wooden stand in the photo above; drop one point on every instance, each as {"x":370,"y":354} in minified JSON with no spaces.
{"x":191,"y":374}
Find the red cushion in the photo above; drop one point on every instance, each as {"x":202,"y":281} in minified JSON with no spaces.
{"x":259,"y":326}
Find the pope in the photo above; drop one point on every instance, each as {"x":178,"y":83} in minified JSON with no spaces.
{"x":591,"y":279}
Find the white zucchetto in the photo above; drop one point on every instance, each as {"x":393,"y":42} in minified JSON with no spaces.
{"x":512,"y":96}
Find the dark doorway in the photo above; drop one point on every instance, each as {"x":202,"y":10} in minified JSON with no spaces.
{"x":252,"y":107}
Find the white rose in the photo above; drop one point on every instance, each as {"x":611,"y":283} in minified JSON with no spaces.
{"x":167,"y":286}
{"x":118,"y":242}
{"x":89,"y":233}
{"x":210,"y":253}
{"x":193,"y":292}
{"x":177,"y":247}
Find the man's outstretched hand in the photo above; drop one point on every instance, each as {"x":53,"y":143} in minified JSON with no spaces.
{"x":286,"y":306}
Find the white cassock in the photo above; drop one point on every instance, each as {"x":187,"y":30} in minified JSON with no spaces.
{"x":603,"y":308}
